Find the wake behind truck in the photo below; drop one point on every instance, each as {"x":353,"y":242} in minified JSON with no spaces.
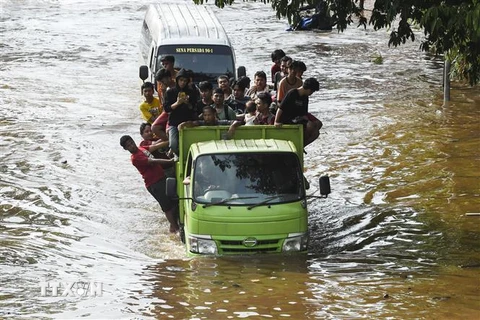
{"x":245,"y":195}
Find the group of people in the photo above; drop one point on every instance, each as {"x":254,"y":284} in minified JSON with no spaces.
{"x":181,"y":103}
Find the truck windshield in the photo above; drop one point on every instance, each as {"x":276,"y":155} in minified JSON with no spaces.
{"x":206,"y":61}
{"x":247,"y":179}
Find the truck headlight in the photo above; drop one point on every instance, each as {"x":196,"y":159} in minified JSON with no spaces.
{"x":295,"y":242}
{"x":202,"y":245}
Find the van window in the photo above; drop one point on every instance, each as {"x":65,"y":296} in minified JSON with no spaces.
{"x":206,"y":61}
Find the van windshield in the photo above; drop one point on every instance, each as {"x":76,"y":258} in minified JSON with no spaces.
{"x":206,"y":61}
{"x":247,"y":178}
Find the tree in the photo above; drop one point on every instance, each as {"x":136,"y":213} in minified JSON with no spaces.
{"x":451,"y":27}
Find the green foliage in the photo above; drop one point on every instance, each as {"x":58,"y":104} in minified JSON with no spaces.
{"x":451,"y":27}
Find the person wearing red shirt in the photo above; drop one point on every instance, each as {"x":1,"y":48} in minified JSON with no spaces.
{"x":154,"y":177}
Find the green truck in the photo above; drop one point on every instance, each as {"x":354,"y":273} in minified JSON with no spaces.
{"x":244,"y":195}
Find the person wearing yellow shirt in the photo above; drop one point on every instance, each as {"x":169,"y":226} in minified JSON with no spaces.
{"x":151,"y":107}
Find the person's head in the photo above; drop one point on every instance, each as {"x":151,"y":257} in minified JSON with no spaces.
{"x":293,"y":68}
{"x":302,"y":68}
{"x":263,"y":101}
{"x":311,"y":85}
{"x":147,"y":90}
{"x":245,"y":81}
{"x":209,"y":115}
{"x":127,"y":143}
{"x":182,"y":78}
{"x":223,"y":82}
{"x":260,"y":80}
{"x":168,"y":62}
{"x":277,"y":55}
{"x":146,"y":131}
{"x":251,"y":107}
{"x":284,"y":62}
{"x":190,"y":75}
{"x":218,"y":97}
{"x":163,"y":75}
{"x":238,"y":90}
{"x":206,"y":90}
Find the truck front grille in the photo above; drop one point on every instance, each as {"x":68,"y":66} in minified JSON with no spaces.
{"x":237,"y":247}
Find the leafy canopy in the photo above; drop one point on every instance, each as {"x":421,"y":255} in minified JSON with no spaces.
{"x":451,"y":27}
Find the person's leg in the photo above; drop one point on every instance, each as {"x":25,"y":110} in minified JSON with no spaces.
{"x":311,"y":133}
{"x":173,"y":139}
{"x":172,"y":217}
{"x":169,"y":207}
{"x":159,"y":125}
{"x":159,"y":133}
{"x":312,"y":130}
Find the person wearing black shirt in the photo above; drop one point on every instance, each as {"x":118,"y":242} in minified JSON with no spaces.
{"x":180,"y":103}
{"x":294,"y":110}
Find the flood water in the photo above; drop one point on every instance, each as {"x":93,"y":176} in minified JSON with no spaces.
{"x":391,"y":241}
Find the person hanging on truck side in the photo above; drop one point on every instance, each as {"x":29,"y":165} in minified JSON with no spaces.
{"x":180,"y":102}
{"x":294,"y":109}
{"x":157,"y":147}
{"x":154,"y":178}
{"x":150,"y":108}
{"x":314,"y":123}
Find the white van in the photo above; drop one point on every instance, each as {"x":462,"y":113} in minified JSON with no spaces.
{"x":193,"y":35}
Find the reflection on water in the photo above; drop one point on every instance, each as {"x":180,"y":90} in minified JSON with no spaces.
{"x":271,"y":287}
{"x":392,"y":240}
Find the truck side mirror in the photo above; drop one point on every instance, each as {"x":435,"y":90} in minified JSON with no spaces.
{"x":241,"y":72}
{"x":171,"y":187}
{"x":325,"y":186}
{"x":143,"y":73}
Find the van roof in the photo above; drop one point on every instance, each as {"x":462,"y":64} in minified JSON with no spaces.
{"x":185,"y":23}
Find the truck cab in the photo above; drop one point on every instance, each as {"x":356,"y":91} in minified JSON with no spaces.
{"x":241,"y":196}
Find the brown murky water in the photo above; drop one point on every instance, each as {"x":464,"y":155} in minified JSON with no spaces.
{"x":392,"y":241}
